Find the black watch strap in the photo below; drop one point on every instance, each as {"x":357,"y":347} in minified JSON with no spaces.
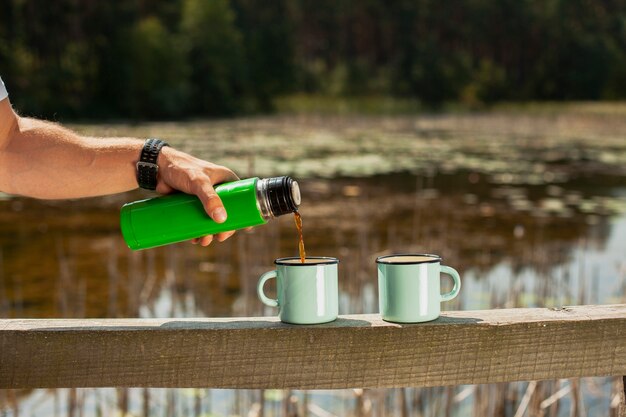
{"x":147,"y":167}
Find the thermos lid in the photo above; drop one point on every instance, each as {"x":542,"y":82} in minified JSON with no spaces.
{"x":283,"y":195}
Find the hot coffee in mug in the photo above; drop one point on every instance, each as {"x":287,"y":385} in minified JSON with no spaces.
{"x":409,"y":287}
{"x":307,"y":293}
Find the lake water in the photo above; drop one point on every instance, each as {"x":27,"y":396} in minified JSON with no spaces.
{"x":529,"y":208}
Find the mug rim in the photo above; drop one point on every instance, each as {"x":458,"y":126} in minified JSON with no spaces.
{"x":282,"y":261}
{"x":436,"y":259}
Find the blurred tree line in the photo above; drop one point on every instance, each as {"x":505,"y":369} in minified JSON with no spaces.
{"x":165,"y":59}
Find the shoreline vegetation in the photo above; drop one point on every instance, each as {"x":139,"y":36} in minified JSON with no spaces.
{"x":387,"y":105}
{"x":533,"y":143}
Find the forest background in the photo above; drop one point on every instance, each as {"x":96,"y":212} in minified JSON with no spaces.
{"x":148,"y":59}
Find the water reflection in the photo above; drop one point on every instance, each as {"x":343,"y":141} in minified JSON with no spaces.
{"x":68,"y":259}
{"x":515,"y":241}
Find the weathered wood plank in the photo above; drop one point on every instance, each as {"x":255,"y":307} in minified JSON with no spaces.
{"x":462,"y":347}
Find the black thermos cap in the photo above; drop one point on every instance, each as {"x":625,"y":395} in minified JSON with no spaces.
{"x":283,"y":195}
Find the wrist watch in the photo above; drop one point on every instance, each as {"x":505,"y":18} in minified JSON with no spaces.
{"x":147,"y":167}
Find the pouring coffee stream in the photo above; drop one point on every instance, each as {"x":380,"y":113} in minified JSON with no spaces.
{"x":298,"y":219}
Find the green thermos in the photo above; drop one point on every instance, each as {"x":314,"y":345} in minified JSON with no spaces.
{"x":178,"y":217}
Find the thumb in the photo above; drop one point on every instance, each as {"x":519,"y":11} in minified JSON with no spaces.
{"x":212,"y":203}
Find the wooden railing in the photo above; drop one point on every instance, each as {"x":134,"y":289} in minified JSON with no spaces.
{"x":461,"y":347}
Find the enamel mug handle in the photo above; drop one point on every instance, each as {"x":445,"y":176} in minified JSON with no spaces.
{"x":457,"y":283}
{"x":259,"y":289}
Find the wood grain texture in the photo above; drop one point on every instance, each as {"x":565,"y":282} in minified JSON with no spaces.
{"x":461,"y":347}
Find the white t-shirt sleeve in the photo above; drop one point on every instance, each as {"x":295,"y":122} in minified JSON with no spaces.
{"x":3,"y":91}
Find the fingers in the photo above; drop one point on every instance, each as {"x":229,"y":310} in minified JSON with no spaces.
{"x":223,"y":236}
{"x":206,"y":240}
{"x":203,"y":241}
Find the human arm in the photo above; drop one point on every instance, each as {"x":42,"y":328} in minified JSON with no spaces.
{"x":45,"y":160}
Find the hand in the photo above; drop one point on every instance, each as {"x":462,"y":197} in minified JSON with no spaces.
{"x":183,"y":172}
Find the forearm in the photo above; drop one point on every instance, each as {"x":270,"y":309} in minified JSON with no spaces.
{"x":43,"y":160}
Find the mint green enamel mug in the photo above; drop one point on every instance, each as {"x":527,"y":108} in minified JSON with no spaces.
{"x":307,"y":292}
{"x":409,"y":287}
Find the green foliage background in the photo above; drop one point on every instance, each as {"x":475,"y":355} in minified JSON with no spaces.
{"x":169,"y":59}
